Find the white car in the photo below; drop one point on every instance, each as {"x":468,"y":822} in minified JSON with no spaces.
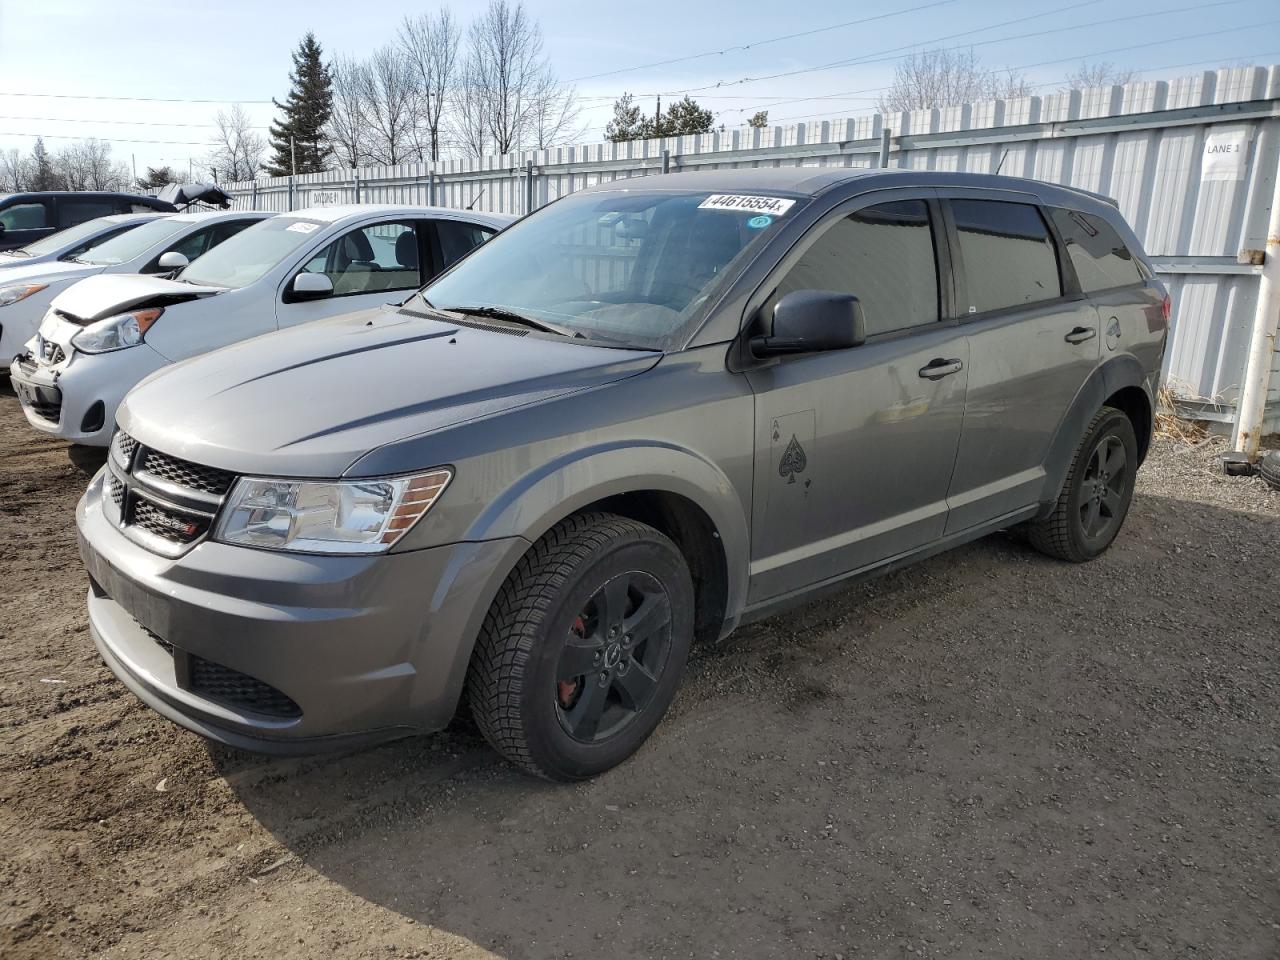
{"x":26,"y":292}
{"x":105,"y":334}
{"x":73,"y":241}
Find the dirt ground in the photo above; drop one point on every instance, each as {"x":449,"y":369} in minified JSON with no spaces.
{"x":990,"y":754}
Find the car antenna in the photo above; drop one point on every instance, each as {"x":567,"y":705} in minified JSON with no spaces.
{"x":1004,"y":154}
{"x":476,"y":198}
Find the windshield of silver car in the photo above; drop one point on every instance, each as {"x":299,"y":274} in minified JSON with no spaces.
{"x":632,"y":267}
{"x":246,"y":257}
{"x":123,"y":247}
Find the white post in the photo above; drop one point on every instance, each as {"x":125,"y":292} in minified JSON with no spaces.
{"x":1251,"y":408}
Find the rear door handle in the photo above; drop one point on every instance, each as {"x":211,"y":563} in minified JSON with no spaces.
{"x":1080,"y":335}
{"x":937,"y":369}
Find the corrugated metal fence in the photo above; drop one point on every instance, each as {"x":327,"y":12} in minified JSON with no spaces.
{"x":1192,"y":163}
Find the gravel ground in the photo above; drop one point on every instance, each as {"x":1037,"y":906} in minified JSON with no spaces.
{"x":989,"y":754}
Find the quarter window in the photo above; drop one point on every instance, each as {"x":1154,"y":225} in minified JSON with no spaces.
{"x":883,"y":255}
{"x":1100,"y":258}
{"x":1007,"y":252}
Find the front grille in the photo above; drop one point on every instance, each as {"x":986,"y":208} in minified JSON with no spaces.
{"x":51,"y":353}
{"x":183,"y":473}
{"x":50,"y":410}
{"x":115,"y":490}
{"x":165,"y":503}
{"x":216,"y":682}
{"x":122,"y":447}
{"x":168,"y":524}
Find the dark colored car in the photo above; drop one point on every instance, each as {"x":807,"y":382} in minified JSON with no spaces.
{"x":645,"y":414}
{"x":27,"y":217}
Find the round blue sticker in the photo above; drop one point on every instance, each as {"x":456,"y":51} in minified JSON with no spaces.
{"x":759,"y":223}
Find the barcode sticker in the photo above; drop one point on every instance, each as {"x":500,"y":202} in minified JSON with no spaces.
{"x":732,"y":201}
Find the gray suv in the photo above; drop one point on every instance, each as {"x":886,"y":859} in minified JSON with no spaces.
{"x":647,"y":413}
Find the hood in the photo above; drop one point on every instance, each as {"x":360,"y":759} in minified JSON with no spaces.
{"x":110,"y":293}
{"x":311,"y":400}
{"x":43,"y":271}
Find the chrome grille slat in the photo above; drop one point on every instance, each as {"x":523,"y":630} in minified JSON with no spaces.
{"x":164,"y":503}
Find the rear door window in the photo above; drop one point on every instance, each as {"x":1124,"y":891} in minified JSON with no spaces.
{"x":883,"y":255}
{"x":1007,"y":254}
{"x":1099,"y":256}
{"x":457,"y":239}
{"x":74,"y":210}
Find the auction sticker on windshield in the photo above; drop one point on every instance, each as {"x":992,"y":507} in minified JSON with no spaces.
{"x":302,"y":226}
{"x":732,"y":201}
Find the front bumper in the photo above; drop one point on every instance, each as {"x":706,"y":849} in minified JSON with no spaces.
{"x":82,"y":391}
{"x":366,"y":647}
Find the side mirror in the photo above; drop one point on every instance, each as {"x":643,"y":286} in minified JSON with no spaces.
{"x":2,"y":229}
{"x":172,"y":260}
{"x":311,"y":286}
{"x":807,"y":321}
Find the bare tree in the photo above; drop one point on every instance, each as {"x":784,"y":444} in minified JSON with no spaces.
{"x":468,"y":121}
{"x":238,"y":149}
{"x":15,"y":171}
{"x":347,"y":131}
{"x":87,"y":165}
{"x":943,"y":77}
{"x":430,"y":45}
{"x":554,"y":117}
{"x":1104,"y":73}
{"x":512,"y":79}
{"x":391,"y":107}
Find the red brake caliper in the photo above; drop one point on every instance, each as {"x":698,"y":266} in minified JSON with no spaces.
{"x":568,"y":689}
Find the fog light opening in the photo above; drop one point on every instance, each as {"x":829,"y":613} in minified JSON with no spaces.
{"x":94,"y":418}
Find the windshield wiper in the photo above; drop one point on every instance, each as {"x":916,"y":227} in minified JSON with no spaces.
{"x":510,"y":316}
{"x":19,"y":252}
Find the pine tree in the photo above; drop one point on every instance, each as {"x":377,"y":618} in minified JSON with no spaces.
{"x":626,"y":123}
{"x":43,"y":176}
{"x":306,"y":112}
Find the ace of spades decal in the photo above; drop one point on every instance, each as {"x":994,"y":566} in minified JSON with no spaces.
{"x":793,"y":460}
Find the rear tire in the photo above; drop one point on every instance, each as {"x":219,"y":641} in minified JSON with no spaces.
{"x":581,"y":653}
{"x":1096,"y":494}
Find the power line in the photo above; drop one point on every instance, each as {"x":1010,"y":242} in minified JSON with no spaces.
{"x":66,"y":136}
{"x":87,"y":96}
{"x":761,"y":43}
{"x":130,"y":123}
{"x":876,"y":58}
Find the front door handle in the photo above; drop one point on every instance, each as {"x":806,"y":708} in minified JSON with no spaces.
{"x":1080,"y":335}
{"x":937,"y":369}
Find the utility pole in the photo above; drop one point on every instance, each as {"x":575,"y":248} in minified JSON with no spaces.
{"x":1251,"y":408}
{"x":133,"y":159}
{"x":293,"y":157}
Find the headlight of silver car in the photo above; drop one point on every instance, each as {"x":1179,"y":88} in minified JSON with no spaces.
{"x":328,"y":516}
{"x":13,"y":292}
{"x":116,"y":333}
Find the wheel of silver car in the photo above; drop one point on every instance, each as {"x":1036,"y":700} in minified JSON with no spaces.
{"x":1095,"y":497}
{"x":582,"y":651}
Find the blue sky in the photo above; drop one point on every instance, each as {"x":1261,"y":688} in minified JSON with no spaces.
{"x":240,"y":53}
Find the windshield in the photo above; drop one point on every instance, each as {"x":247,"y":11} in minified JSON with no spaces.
{"x":132,"y":243}
{"x":632,"y":266}
{"x":67,"y":238}
{"x":246,"y":257}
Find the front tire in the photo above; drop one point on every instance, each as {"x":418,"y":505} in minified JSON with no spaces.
{"x":581,"y":653}
{"x":1096,"y":495}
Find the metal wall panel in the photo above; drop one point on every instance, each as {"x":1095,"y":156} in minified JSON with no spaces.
{"x":1142,"y":144}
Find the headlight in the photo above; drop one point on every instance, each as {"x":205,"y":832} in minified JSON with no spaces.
{"x":19,"y":291}
{"x":328,"y":516}
{"x":116,"y":333}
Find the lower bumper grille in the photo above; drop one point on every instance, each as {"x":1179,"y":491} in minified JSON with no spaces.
{"x":236,"y":689}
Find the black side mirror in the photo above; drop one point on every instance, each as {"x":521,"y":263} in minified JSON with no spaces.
{"x":806,"y":321}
